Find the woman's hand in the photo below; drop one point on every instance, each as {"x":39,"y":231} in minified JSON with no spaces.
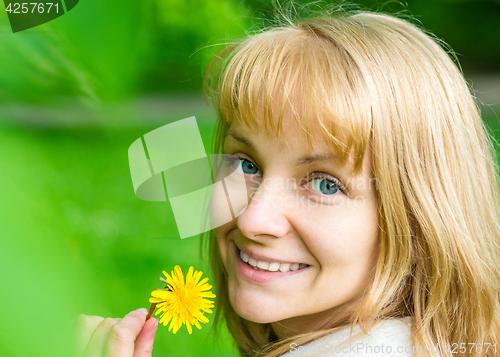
{"x":131,"y":336}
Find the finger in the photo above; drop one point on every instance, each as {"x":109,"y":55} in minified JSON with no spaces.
{"x":146,"y":338}
{"x":121,"y":342}
{"x":84,"y":327}
{"x":97,"y":343}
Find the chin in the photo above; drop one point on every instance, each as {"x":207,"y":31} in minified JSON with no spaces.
{"x":257,"y":318}
{"x":254,"y":312}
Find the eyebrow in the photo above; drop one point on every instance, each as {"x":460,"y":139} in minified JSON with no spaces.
{"x":314,"y":158}
{"x":242,"y":140}
{"x":308,"y":159}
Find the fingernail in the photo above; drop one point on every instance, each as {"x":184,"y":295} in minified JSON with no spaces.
{"x":142,"y":310}
{"x":155,"y":323}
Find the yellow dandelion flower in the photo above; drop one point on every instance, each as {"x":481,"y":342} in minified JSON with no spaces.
{"x":185,"y":301}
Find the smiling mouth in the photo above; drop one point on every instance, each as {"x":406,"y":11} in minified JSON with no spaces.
{"x":260,"y":265}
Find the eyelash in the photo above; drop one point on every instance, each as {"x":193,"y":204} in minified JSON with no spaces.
{"x":231,"y":159}
{"x":313,"y":176}
{"x":322,"y":175}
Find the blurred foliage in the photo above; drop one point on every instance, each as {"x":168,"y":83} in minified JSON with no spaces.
{"x":75,"y":239}
{"x":106,"y":52}
{"x":184,"y":37}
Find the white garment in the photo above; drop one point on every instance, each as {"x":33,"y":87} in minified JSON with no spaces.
{"x":391,"y":338}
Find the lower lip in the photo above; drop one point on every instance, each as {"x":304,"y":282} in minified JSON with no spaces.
{"x":261,"y":276}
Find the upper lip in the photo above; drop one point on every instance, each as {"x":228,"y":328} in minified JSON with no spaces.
{"x":267,"y":259}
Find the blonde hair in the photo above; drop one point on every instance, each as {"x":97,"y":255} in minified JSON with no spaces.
{"x":362,"y":78}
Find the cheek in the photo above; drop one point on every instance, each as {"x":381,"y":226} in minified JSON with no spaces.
{"x":219,"y":211}
{"x":344,"y":236}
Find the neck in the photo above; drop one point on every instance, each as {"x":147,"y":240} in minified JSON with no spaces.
{"x":293,"y":326}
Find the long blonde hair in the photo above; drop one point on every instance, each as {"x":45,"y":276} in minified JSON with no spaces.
{"x":389,"y":85}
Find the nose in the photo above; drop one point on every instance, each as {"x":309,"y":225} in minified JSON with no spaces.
{"x":267,"y":214}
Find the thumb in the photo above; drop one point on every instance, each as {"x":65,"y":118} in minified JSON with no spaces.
{"x":145,"y":339}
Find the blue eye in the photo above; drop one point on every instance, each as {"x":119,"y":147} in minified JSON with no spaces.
{"x":248,"y":167}
{"x":325,"y":186}
{"x":239,"y":163}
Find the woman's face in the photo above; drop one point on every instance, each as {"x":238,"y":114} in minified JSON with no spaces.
{"x":311,"y":228}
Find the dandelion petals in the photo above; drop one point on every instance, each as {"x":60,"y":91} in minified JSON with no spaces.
{"x":186,"y":302}
{"x":189,"y":276}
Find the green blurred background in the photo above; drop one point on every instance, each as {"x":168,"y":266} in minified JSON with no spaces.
{"x":74,"y":94}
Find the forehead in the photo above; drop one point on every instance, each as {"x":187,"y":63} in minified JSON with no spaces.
{"x":294,"y":121}
{"x":288,"y":134}
{"x":294,"y":143}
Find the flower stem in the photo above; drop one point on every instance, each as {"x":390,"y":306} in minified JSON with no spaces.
{"x":153,"y":305}
{"x":151,"y":310}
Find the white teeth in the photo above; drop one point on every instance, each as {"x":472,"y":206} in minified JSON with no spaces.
{"x":263,"y":265}
{"x":266,"y":266}
{"x":285,"y":267}
{"x":244,"y":256}
{"x":274,"y":266}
